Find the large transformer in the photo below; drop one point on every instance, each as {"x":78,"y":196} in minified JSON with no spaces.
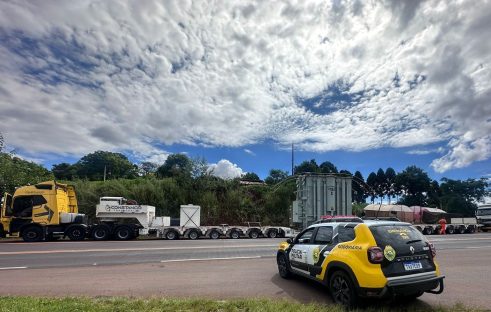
{"x":321,"y":195}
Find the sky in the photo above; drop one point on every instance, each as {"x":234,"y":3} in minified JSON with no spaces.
{"x":363,"y":84}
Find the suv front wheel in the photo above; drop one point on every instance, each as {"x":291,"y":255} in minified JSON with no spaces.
{"x":342,"y":289}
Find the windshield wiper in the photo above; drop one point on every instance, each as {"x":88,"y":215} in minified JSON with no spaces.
{"x":413,"y":241}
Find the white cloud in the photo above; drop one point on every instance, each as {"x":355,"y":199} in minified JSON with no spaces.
{"x":225,"y":169}
{"x":248,"y":151}
{"x":128,"y":76}
{"x":439,"y":150}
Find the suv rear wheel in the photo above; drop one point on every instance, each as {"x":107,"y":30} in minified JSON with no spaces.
{"x":342,"y":289}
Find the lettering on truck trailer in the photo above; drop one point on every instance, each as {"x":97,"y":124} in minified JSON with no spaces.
{"x":124,"y":208}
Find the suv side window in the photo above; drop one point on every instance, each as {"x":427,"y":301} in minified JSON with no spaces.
{"x":323,"y":236}
{"x":305,"y":237}
{"x":346,"y":234}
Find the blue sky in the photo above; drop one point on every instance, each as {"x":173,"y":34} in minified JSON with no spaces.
{"x":362,"y":84}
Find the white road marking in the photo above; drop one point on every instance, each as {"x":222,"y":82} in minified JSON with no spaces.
{"x":459,"y":239}
{"x":209,"y":259}
{"x":13,"y":268}
{"x":39,"y":252}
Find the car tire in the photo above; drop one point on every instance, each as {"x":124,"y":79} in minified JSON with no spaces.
{"x":254,"y":234}
{"x":214,"y":235}
{"x":193,"y":234}
{"x":283,"y":268}
{"x":123,"y":233}
{"x":171,"y":235}
{"x":32,"y":234}
{"x":272,"y":234}
{"x":100,"y":232}
{"x":76,"y":233}
{"x":342,"y":289}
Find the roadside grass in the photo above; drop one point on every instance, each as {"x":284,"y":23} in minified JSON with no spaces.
{"x":9,"y":304}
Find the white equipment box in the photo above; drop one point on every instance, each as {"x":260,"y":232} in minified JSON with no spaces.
{"x":190,"y":216}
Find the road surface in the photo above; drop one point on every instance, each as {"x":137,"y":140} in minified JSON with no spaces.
{"x":218,"y":269}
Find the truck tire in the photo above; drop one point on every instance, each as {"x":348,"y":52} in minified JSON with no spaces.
{"x":253,"y":234}
{"x":235,"y":234}
{"x":193,"y":234}
{"x":272,"y":233}
{"x":123,"y":232}
{"x":32,"y":234}
{"x":171,"y":235}
{"x":214,"y":235}
{"x":76,"y":232}
{"x":428,"y":231}
{"x":100,"y":232}
{"x":450,"y":230}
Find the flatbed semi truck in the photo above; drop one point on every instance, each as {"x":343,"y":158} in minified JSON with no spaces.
{"x":49,"y":210}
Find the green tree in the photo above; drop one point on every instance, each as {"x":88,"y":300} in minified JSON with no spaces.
{"x":372,"y":184}
{"x":415,"y":184}
{"x":116,"y":165}
{"x":460,"y":196}
{"x":176,"y":165}
{"x":276,"y":176}
{"x":250,"y":176}
{"x":359,"y":188}
{"x":15,"y":172}
{"x":328,"y":167}
{"x":307,"y":166}
{"x":381,"y":184}
{"x":390,"y":178}
{"x":64,"y":171}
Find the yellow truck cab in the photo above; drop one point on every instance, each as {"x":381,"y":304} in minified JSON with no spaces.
{"x":363,"y":259}
{"x":46,"y":210}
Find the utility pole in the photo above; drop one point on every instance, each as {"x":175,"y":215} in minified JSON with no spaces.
{"x":104,"y":173}
{"x":293,"y":162}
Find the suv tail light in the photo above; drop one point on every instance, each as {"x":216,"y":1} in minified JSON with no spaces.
{"x":433,"y":250}
{"x":375,"y":255}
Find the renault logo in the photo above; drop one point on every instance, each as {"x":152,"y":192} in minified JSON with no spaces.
{"x":412,"y":250}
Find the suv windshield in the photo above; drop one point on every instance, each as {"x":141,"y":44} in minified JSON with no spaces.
{"x":396,"y":235}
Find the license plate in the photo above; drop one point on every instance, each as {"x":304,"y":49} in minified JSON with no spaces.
{"x":413,"y":265}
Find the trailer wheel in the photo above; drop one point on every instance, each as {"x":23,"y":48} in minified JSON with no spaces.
{"x":234,"y":234}
{"x":32,"y":234}
{"x":461,"y":230}
{"x":214,"y":235}
{"x":171,"y":235}
{"x":272,"y":234}
{"x":428,"y":231}
{"x":123,"y":232}
{"x":193,"y":234}
{"x":101,"y":232}
{"x":450,"y":230}
{"x":253,"y":234}
{"x":76,"y":233}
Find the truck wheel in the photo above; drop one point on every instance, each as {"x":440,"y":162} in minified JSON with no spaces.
{"x":193,"y":234}
{"x":283,"y":269}
{"x":272,"y":234}
{"x":461,"y":230}
{"x":450,"y":230}
{"x":214,"y":235}
{"x":342,"y":289}
{"x":101,"y":232}
{"x":171,"y":235}
{"x":123,"y":233}
{"x":76,"y":233}
{"x":428,"y":231}
{"x":234,"y":234}
{"x":254,"y":234}
{"x":32,"y":234}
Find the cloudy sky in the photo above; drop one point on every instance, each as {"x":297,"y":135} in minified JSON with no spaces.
{"x":364,"y":84}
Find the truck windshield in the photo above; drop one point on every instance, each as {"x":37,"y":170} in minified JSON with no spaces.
{"x":484,"y":212}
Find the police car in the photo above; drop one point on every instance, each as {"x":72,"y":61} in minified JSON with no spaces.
{"x":363,"y":259}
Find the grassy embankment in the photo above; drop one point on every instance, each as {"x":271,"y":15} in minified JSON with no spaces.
{"x":143,"y":305}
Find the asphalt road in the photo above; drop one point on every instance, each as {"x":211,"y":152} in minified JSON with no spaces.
{"x":210,"y":268}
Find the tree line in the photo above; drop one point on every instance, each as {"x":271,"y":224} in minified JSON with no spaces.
{"x":183,"y":180}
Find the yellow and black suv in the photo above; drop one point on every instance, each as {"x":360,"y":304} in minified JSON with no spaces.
{"x":365,"y":259}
